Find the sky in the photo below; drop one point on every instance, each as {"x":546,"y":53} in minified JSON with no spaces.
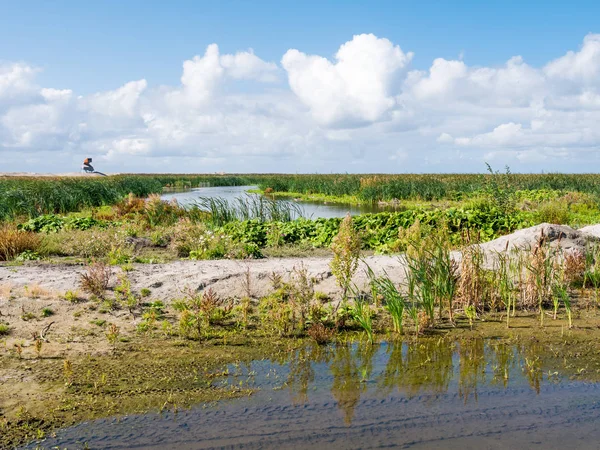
{"x":299,"y":87}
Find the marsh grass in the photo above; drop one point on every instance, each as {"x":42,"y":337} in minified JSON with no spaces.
{"x":361,"y":313}
{"x":13,"y":242}
{"x":505,"y":283}
{"x":248,"y":207}
{"x":394,"y":302}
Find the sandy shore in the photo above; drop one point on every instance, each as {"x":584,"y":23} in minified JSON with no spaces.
{"x":26,"y":290}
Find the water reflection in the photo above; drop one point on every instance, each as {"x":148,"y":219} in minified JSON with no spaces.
{"x":429,"y":393}
{"x":427,"y":366}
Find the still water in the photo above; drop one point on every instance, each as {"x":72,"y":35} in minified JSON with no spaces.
{"x":310,"y":209}
{"x":434,"y":394}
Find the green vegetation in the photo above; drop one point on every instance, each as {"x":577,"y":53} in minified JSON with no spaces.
{"x":138,"y":230}
{"x":34,"y":196}
{"x":374,"y":188}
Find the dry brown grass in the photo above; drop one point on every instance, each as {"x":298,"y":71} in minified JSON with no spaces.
{"x":14,"y":242}
{"x":5,"y":290}
{"x":36,"y":291}
{"x":473,"y":287}
{"x":574,"y":264}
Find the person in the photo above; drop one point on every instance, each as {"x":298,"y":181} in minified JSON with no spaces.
{"x":87,"y":165}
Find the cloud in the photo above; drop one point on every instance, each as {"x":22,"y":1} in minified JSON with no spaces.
{"x":364,"y":110}
{"x":357,"y":89}
{"x":16,"y":79}
{"x":582,"y":66}
{"x":122,"y":102}
{"x":202,"y":75}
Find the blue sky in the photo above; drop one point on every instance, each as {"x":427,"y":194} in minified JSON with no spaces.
{"x":93,"y":49}
{"x":90,"y":46}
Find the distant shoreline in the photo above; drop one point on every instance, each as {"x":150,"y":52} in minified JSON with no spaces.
{"x":36,"y":174}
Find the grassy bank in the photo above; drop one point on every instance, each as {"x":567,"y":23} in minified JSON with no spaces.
{"x":31,"y":196}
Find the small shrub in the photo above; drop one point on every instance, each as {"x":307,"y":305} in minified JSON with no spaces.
{"x":130,"y":204}
{"x":124,"y":295}
{"x":160,"y":212}
{"x":346,"y":251}
{"x":47,"y":312}
{"x":28,"y":255}
{"x":145,"y":292}
{"x":47,"y":223}
{"x":96,"y":280}
{"x":186,"y":237}
{"x":553,"y":212}
{"x":112,"y":334}
{"x":14,"y":242}
{"x":320,"y":333}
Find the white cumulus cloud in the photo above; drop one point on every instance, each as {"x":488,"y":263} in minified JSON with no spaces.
{"x":358,"y":88}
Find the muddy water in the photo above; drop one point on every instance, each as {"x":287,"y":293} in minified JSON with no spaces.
{"x":431,"y":394}
{"x":310,"y":209}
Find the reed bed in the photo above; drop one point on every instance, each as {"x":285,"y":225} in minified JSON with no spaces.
{"x":249,"y":207}
{"x":374,"y":188}
{"x":32,"y":196}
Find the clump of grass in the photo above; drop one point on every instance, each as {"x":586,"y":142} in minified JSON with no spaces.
{"x":72,"y":296}
{"x":35,"y":291}
{"x":47,"y":312}
{"x":361,"y":313}
{"x":556,"y":212}
{"x":506,"y":283}
{"x":4,"y":329}
{"x":124,"y":296}
{"x":540,"y":275}
{"x":394,"y":302}
{"x":249,"y":207}
{"x":145,"y":292}
{"x":96,"y":279}
{"x":13,"y":242}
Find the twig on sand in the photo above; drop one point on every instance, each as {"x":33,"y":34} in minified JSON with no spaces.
{"x":44,"y":331}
